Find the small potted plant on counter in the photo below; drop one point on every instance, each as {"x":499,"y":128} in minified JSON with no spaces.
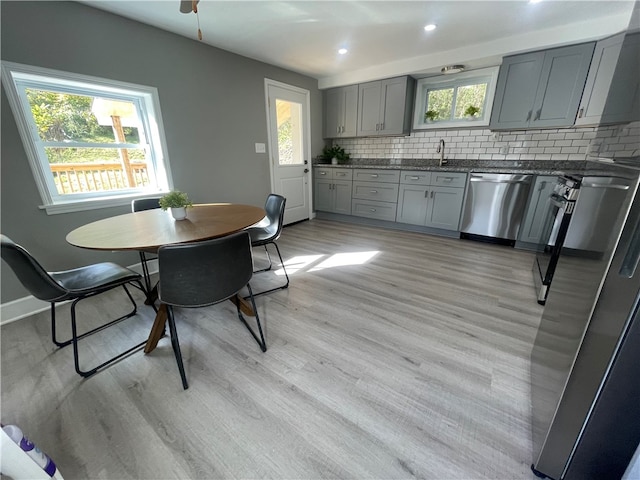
{"x":178,"y":202}
{"x":335,"y":154}
{"x":472,"y":112}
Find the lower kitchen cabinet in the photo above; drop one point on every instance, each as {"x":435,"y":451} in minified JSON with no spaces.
{"x":332,"y":188}
{"x":431,"y":205}
{"x":535,"y":214}
{"x":375,"y":194}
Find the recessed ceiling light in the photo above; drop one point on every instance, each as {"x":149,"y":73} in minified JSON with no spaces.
{"x":429,"y":27}
{"x":342,"y":51}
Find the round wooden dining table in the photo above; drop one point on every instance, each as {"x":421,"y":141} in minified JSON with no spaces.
{"x":150,"y":229}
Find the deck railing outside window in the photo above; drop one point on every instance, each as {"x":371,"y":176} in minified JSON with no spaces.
{"x":97,"y":177}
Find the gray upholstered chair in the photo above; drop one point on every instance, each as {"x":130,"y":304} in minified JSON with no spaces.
{"x":204,"y":273}
{"x":139,"y":205}
{"x":268,"y":234}
{"x":76,"y":284}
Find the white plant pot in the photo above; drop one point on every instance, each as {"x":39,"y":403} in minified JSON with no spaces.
{"x":334,"y":161}
{"x":179,"y":213}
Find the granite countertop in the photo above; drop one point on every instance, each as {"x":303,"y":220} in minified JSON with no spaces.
{"x":538,"y":167}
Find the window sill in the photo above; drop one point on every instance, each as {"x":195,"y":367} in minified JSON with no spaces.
{"x":459,"y":124}
{"x":93,"y":204}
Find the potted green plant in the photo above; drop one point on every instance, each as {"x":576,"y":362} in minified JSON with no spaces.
{"x":472,"y":112}
{"x":335,"y":154}
{"x":178,"y":202}
{"x":431,"y":115}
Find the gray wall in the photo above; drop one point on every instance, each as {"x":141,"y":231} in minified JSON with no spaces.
{"x":213,"y":110}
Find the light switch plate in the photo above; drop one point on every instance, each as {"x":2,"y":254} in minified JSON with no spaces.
{"x":260,"y":148}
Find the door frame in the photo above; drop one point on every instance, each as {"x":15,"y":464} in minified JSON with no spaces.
{"x":307,"y":134}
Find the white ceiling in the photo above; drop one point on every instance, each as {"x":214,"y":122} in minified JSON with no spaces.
{"x":384,"y":38}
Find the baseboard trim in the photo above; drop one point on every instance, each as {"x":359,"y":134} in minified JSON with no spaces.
{"x":29,"y":305}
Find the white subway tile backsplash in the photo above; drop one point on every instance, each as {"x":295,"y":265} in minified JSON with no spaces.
{"x":548,"y":144}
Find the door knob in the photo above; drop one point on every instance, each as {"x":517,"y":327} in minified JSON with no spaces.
{"x":306,"y":170}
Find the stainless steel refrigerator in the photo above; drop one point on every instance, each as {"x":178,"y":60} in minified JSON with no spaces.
{"x":585,"y":363}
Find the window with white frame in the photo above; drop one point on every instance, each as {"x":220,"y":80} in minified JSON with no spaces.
{"x":91,"y":142}
{"x":453,"y":100}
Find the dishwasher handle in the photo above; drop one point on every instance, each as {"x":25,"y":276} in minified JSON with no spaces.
{"x":494,"y":180}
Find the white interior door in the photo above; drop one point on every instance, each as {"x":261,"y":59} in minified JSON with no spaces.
{"x":289,"y":148}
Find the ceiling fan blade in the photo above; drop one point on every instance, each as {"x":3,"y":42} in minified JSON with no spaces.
{"x":186,"y":6}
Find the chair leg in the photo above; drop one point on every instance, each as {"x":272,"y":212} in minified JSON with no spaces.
{"x":75,"y":337}
{"x":53,"y":328}
{"x":176,"y":345}
{"x":270,"y":262}
{"x":286,"y":285}
{"x":261,"y":341}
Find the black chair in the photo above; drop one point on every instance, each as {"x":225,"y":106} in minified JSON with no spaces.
{"x":139,"y":205}
{"x":204,"y":273}
{"x":76,"y":284}
{"x":263,"y":236}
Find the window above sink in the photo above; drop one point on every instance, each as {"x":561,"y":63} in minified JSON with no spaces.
{"x":459,"y":100}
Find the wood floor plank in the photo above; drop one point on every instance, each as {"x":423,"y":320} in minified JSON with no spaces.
{"x":391,"y":355}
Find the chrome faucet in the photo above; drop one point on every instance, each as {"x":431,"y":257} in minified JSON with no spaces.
{"x":440,"y":150}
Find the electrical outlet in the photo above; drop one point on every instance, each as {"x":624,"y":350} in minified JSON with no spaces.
{"x":504,"y":150}
{"x":261,"y":148}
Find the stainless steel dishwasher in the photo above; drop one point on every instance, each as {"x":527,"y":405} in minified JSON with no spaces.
{"x":495,"y":205}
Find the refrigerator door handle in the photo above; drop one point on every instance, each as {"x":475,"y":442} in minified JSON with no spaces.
{"x":632,"y":257}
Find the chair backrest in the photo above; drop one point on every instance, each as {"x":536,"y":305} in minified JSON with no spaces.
{"x":274,"y":206}
{"x":30,"y":273}
{"x":203,"y":273}
{"x":140,"y":204}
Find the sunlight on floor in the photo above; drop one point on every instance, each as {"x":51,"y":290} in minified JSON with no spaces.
{"x":310,"y":262}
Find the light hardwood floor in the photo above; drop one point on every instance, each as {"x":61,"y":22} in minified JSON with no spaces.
{"x":414,"y":363}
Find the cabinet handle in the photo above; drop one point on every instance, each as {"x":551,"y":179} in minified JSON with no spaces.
{"x":374,"y":175}
{"x":538,"y":115}
{"x":341,"y":174}
{"x":372,"y":209}
{"x":338,"y":129}
{"x":414,"y":178}
{"x":447,"y":179}
{"x":373,"y":191}
{"x":382,"y":126}
{"x":426,"y":193}
{"x":323,"y":173}
{"x":377,"y":126}
{"x":529,"y":115}
{"x":580,"y":112}
{"x":431,"y":194}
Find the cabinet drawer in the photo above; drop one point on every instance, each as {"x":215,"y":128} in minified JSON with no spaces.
{"x":391,"y":176}
{"x":342,"y":174}
{"x":448,"y":179}
{"x":333,"y":173}
{"x":383,"y":192}
{"x":372,"y":209}
{"x":408,"y":177}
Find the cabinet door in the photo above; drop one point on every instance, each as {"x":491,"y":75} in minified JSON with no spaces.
{"x":531,"y":228}
{"x":412,"y":204}
{"x":562,"y":80}
{"x":623,"y":100}
{"x":392,"y":108}
{"x":324,"y":194}
{"x":332,"y":112}
{"x":369,"y":108}
{"x":342,"y":197}
{"x":444,"y":208}
{"x":350,"y":111}
{"x":516,"y":90}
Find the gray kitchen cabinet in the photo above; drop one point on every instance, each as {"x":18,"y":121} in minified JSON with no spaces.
{"x":341,"y":112}
{"x":612,"y":90}
{"x":541,"y":89}
{"x":385,"y":107}
{"x":375,"y":193}
{"x":537,"y":208}
{"x":332,"y":189}
{"x":423,"y":200}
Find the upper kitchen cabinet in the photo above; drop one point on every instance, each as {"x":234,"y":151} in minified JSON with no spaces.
{"x":385,"y":106}
{"x":341,"y":112}
{"x":612,"y":91}
{"x":541,"y":89}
